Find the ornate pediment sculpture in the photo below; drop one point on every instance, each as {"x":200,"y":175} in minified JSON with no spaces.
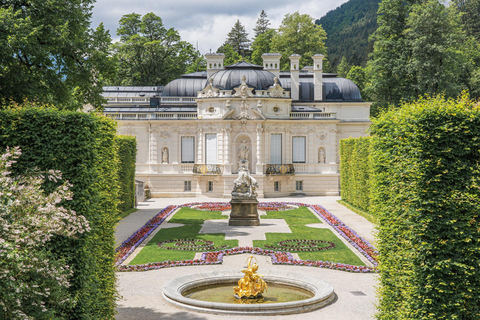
{"x":276,"y":91}
{"x":243,"y":91}
{"x":209,"y":91}
{"x":244,"y":108}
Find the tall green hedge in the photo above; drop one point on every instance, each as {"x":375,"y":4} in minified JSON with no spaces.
{"x":82,"y":146}
{"x":426,"y":164}
{"x":355,"y":171}
{"x":127,"y":152}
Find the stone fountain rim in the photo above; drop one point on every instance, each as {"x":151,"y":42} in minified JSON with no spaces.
{"x":322,"y":290}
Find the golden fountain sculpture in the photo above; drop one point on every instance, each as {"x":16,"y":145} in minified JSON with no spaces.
{"x":251,"y":285}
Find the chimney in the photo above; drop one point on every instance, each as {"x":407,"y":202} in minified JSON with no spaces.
{"x":214,"y":62}
{"x":294,"y":76}
{"x":318,"y":77}
{"x":271,"y":62}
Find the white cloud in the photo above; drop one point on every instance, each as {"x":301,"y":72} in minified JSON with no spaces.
{"x":206,"y":21}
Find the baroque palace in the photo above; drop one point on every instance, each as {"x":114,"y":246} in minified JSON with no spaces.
{"x":286,"y":126}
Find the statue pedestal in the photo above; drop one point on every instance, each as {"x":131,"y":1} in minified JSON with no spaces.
{"x":244,"y":212}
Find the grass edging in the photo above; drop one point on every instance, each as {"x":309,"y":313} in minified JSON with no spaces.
{"x":358,"y":211}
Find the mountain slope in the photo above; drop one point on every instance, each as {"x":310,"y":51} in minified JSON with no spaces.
{"x":348,"y":28}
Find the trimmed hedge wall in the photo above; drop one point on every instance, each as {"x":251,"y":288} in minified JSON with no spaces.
{"x":82,"y":146}
{"x":355,"y":172}
{"x":127,"y":152}
{"x":426,"y":164}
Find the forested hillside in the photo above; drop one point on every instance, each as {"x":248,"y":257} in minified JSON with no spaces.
{"x":348,"y":28}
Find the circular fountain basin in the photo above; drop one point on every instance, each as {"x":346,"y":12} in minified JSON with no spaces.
{"x":319,"y":293}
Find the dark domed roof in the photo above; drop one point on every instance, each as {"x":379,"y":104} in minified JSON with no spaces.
{"x":231,"y":77}
{"x":334,"y":89}
{"x":186,"y":86}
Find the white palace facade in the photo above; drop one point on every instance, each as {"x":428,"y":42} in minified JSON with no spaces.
{"x":192,"y":133}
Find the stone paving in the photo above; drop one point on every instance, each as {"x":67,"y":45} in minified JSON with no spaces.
{"x":141,"y":296}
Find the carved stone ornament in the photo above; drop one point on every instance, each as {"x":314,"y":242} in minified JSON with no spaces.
{"x":164,"y":134}
{"x":276,"y":91}
{"x":209,"y":91}
{"x":322,"y":135}
{"x":128,"y":131}
{"x":299,"y":129}
{"x":244,"y":108}
{"x":243,"y":91}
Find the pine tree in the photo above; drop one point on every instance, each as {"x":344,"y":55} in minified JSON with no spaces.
{"x":238,"y":38}
{"x":343,"y":68}
{"x":417,"y":51}
{"x":262,"y":24}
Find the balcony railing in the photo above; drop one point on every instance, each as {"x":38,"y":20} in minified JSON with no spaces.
{"x":207,"y":169}
{"x":279,"y":169}
{"x":313,"y":115}
{"x":152,"y":116}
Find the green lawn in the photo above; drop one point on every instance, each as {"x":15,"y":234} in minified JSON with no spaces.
{"x":297,"y":220}
{"x":193,"y":220}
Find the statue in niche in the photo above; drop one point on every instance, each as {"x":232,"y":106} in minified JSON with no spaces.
{"x":245,"y":185}
{"x":228,"y":104}
{"x":259,"y":104}
{"x":321,"y":155}
{"x":165,"y":155}
{"x":243,"y":151}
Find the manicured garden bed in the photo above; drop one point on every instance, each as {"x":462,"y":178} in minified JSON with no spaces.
{"x":177,"y":246}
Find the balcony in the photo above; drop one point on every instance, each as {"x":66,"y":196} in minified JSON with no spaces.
{"x":152,"y":116}
{"x":279,"y":169}
{"x":313,"y":115}
{"x":207,"y":169}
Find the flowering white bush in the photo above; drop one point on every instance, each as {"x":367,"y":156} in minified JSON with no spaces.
{"x":33,"y":285}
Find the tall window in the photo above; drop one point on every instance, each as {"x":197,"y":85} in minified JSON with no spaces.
{"x":211,"y":148}
{"x":276,"y":149}
{"x":187,"y":186}
{"x":298,"y":149}
{"x":188,"y":149}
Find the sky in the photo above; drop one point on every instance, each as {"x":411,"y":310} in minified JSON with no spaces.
{"x":207,"y":21}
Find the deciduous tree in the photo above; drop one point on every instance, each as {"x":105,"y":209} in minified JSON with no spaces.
{"x":51,"y":55}
{"x":262,"y":44}
{"x":148,"y":53}
{"x":298,"y":34}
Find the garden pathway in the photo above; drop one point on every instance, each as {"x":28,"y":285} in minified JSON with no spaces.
{"x":141,"y":296}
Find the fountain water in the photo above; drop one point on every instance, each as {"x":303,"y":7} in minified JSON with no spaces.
{"x":288,"y":293}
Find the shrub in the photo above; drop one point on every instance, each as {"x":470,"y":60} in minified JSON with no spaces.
{"x":355,"y":171}
{"x":82,"y":147}
{"x":127,"y":152}
{"x":426,"y":198}
{"x":32,"y":285}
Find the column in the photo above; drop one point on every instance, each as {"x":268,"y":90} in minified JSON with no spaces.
{"x":200,"y":147}
{"x":227,"y":162}
{"x":259,"y":164}
{"x":312,"y":153}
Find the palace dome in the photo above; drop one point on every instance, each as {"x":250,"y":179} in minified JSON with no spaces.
{"x":231,"y":77}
